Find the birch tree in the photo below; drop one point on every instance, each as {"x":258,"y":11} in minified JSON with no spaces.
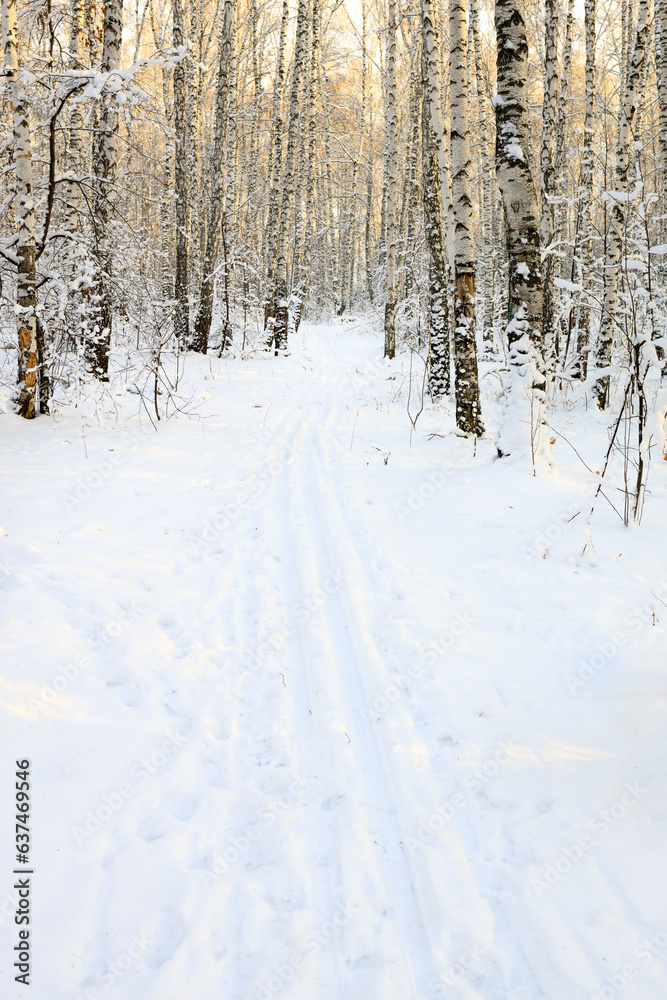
{"x":26,"y":298}
{"x":438,"y":316}
{"x":219,"y":169}
{"x":391,"y":125}
{"x":618,"y":199}
{"x":466,"y":383}
{"x":276,"y":325}
{"x":523,"y":416}
{"x":181,"y":278}
{"x":440,"y":348}
{"x":547,"y":161}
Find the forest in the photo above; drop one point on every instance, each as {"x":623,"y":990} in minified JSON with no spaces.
{"x":192,"y":176}
{"x":333,"y":589}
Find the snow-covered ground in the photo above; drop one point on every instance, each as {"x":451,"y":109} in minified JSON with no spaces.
{"x":318,"y":707}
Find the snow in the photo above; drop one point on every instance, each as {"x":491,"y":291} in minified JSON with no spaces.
{"x":317,"y":707}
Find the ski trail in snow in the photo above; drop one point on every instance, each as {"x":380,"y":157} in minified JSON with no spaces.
{"x":384,"y":950}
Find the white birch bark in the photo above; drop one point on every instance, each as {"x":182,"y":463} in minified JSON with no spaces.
{"x":26,"y":299}
{"x":181,"y":190}
{"x":466,"y":383}
{"x":617,"y":223}
{"x":440,"y":351}
{"x":547,"y":163}
{"x":219,"y":166}
{"x":523,"y":420}
{"x":661,"y":72}
{"x":277,"y":323}
{"x":391,"y":125}
{"x":105,"y":166}
{"x":76,"y":123}
{"x":485,"y":251}
{"x":580,"y":368}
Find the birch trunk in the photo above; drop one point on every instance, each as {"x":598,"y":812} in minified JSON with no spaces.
{"x":181,"y":189}
{"x":218,"y":194}
{"x":105,"y":166}
{"x":661,"y":72}
{"x":617,"y":222}
{"x":466,"y":382}
{"x":438,"y":314}
{"x":76,"y":122}
{"x":276,"y":328}
{"x":275,"y":164}
{"x":580,"y":369}
{"x":391,"y":185}
{"x":26,"y":298}
{"x":440,"y":350}
{"x":547,"y":163}
{"x":485,"y":251}
{"x":524,"y":331}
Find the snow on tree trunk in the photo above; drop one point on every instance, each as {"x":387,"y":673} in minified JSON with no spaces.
{"x":580,"y":368}
{"x":523,"y":420}
{"x":466,"y":383}
{"x":547,"y":163}
{"x":440,"y":348}
{"x":181,"y":184}
{"x":275,"y":165}
{"x":105,"y":165}
{"x":219,"y":165}
{"x":26,"y":298}
{"x":76,"y":120}
{"x":618,"y":198}
{"x":438,"y":316}
{"x":391,"y":125}
{"x":485,"y":251}
{"x":661,"y":71}
{"x":277,"y":323}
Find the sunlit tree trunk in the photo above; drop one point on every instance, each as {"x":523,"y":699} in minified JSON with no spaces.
{"x":105,"y":166}
{"x":26,"y":299}
{"x":181,"y":188}
{"x":661,"y":70}
{"x":277,"y":323}
{"x":440,"y":348}
{"x":615,"y":237}
{"x":391,"y":126}
{"x":485,"y":251}
{"x":547,"y":163}
{"x":580,"y":368}
{"x":466,"y":383}
{"x":523,"y":414}
{"x":438,"y":315}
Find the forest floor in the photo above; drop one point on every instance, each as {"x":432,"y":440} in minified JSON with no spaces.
{"x":322,"y":706}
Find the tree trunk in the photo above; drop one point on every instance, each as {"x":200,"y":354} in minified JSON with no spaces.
{"x":617,"y":226}
{"x":181,"y":187}
{"x":580,"y":369}
{"x":524,"y":330}
{"x":547,"y":164}
{"x":438,"y":315}
{"x":26,"y":299}
{"x":466,"y":383}
{"x":105,"y":165}
{"x":440,"y":362}
{"x":391,"y":184}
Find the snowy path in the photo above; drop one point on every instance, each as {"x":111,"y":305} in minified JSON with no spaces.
{"x":323,"y":737}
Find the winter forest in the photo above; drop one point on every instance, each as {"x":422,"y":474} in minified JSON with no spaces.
{"x":333,"y":562}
